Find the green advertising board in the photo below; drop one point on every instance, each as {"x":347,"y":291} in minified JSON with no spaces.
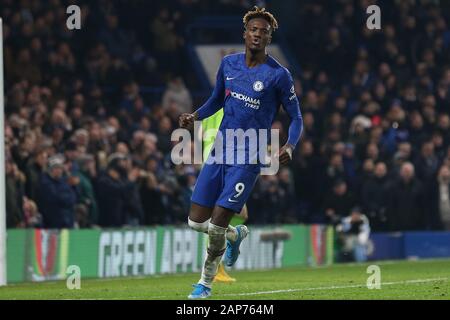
{"x":40,"y":255}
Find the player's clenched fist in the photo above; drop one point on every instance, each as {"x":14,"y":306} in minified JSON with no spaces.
{"x":186,"y":120}
{"x":285,"y":154}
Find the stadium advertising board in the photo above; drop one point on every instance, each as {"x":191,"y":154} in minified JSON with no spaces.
{"x":41,"y":255}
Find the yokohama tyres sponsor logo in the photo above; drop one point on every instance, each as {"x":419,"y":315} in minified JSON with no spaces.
{"x":255,"y":102}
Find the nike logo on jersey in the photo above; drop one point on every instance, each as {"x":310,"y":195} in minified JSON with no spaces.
{"x":228,"y":78}
{"x":230,"y":200}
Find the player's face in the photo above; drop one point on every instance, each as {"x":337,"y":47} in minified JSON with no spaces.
{"x":257,"y":35}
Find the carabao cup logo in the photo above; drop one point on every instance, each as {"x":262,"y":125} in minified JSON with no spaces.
{"x":49,"y":254}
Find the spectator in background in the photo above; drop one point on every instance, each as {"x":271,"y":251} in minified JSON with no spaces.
{"x":115,"y":194}
{"x":338,"y":203}
{"x":443,"y":126}
{"x":172,"y":198}
{"x":358,"y":134}
{"x":15,"y":188}
{"x":334,"y":171}
{"x":427,"y":163}
{"x":186,"y":182}
{"x":310,"y":130}
{"x":287,"y":192}
{"x":305,"y":168}
{"x":373,"y":198}
{"x":25,"y":68}
{"x":32,"y":216}
{"x":164,"y":135}
{"x":132,"y":178}
{"x":71,"y":154}
{"x":265,"y":200}
{"x":35,"y":168}
{"x":440,"y":200}
{"x":24,"y":150}
{"x":117,"y":40}
{"x":364,"y":174}
{"x":404,"y":153}
{"x":439,"y":146}
{"x":350,"y":165}
{"x":150,"y":191}
{"x":176,"y":98}
{"x":372,"y":152}
{"x":166,"y":40}
{"x":140,"y":110}
{"x":57,"y":195}
{"x":87,"y":174}
{"x":405,"y":201}
{"x":417,"y":132}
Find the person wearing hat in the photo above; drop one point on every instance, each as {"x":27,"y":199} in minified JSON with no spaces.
{"x":57,"y":195}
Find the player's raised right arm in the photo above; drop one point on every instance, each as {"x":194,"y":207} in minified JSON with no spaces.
{"x":211,"y":106}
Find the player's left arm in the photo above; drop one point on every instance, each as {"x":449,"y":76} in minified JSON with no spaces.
{"x":211,"y":106}
{"x":289,"y":100}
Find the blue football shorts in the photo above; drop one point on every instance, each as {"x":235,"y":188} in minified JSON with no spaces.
{"x":224,"y":185}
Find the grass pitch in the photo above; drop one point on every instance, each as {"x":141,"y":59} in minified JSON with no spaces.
{"x":424,"y":279}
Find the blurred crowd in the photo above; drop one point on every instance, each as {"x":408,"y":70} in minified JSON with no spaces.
{"x":85,"y":147}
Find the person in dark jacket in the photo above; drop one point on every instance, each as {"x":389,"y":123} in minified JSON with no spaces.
{"x":151,"y":192}
{"x":427,"y":163}
{"x":58,"y":195}
{"x":35,"y":168}
{"x":14,"y":188}
{"x":404,"y":198}
{"x":439,"y":196}
{"x":87,"y":174}
{"x":117,"y":198}
{"x":373,"y":198}
{"x":339,"y":203}
{"x":307,"y":183}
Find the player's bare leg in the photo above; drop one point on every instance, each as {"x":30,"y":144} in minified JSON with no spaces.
{"x":218,"y":226}
{"x":244,"y":213}
{"x":219,"y":231}
{"x":199,"y":217}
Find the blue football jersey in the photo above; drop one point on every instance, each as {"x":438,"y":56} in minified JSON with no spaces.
{"x":251,"y":98}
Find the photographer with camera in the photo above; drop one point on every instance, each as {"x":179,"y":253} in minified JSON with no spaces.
{"x":353,"y":232}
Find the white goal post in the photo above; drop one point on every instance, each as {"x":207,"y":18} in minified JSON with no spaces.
{"x":2,"y":169}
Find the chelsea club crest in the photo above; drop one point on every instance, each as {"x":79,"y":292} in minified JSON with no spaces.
{"x":258,"y":86}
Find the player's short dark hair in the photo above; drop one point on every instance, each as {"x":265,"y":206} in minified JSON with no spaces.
{"x":260,"y":13}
